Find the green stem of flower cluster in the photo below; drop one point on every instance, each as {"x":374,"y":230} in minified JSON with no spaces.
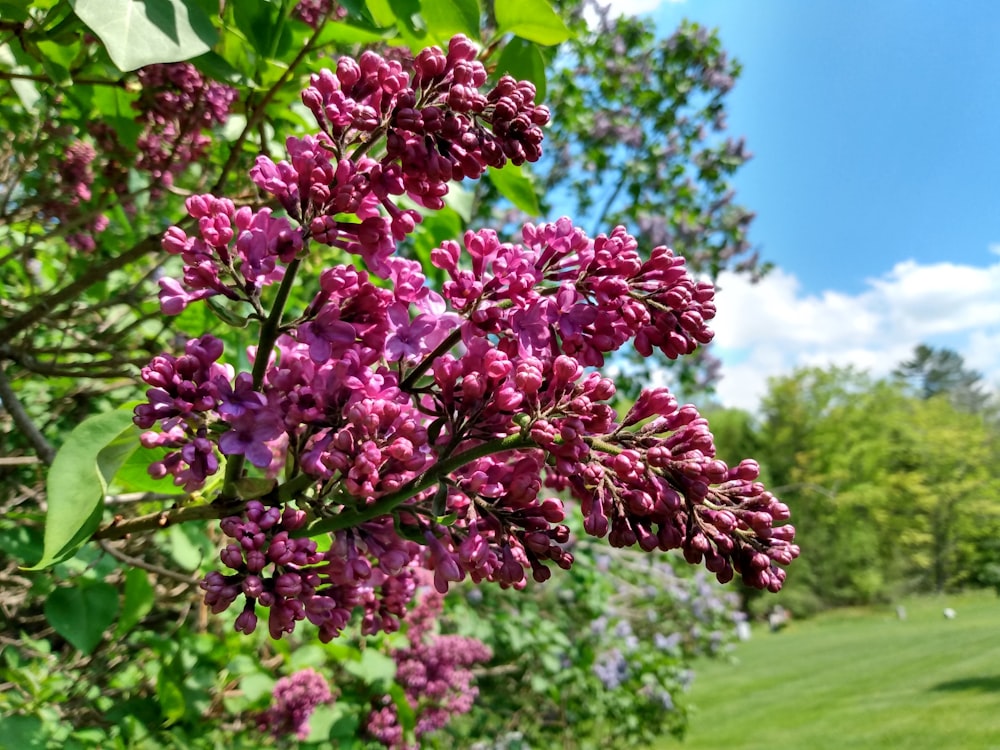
{"x":269,"y":332}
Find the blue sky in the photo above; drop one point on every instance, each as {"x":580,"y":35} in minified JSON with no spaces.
{"x":875,"y":129}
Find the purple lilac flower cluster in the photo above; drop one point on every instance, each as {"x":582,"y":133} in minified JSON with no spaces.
{"x":419,"y":427}
{"x":562,"y":291}
{"x":294,"y":699}
{"x":313,"y":12}
{"x":75,"y":178}
{"x":434,"y":671}
{"x":370,"y":568}
{"x":436,"y":126}
{"x":235,"y":254}
{"x":183,"y":401}
{"x":176,"y":105}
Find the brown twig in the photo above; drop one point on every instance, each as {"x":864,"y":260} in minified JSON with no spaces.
{"x":136,"y":562}
{"x":28,"y":428}
{"x":120,"y":528}
{"x":6,"y":75}
{"x":19,"y":460}
{"x":127,"y":498}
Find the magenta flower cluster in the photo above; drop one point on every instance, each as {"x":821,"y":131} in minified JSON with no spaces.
{"x":314,"y":12}
{"x":370,"y":569}
{"x":435,"y":674}
{"x":75,"y":178}
{"x":421,"y":427}
{"x":176,"y":106}
{"x":294,"y":700}
{"x":235,"y":253}
{"x":436,"y":126}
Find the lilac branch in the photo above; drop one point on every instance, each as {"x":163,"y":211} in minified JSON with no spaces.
{"x":269,"y":332}
{"x":24,"y":423}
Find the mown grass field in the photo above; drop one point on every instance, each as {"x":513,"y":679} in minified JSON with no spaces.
{"x":858,"y":679}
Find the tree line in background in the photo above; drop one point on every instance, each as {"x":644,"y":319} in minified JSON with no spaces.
{"x":891,"y":481}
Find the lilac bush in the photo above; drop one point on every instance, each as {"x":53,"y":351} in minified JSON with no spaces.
{"x":417,"y":426}
{"x":359,"y":407}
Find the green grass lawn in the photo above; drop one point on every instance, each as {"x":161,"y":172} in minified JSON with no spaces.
{"x":858,"y":679}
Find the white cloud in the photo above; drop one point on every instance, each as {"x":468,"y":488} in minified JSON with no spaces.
{"x":769,"y":328}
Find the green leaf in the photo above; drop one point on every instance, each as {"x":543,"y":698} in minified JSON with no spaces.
{"x":344,"y":727}
{"x":459,"y":200}
{"x":14,"y":11}
{"x":445,"y":18}
{"x":534,"y":20}
{"x":517,"y":187}
{"x":253,"y":487}
{"x":185,"y":552}
{"x":22,"y":732}
{"x":111,"y":457}
{"x":133,"y":476}
{"x":373,"y":667}
{"x":78,"y":479}
{"x":257,"y":22}
{"x":218,"y":68}
{"x":256,"y":686}
{"x":170,"y":696}
{"x":404,"y":711}
{"x":56,"y":60}
{"x":115,"y":107}
{"x":82,"y":613}
{"x":22,"y":541}
{"x":322,"y":721}
{"x":349,"y":33}
{"x":138,"y":33}
{"x":523,"y":60}
{"x":402,"y":14}
{"x":381,"y":12}
{"x":307,"y":656}
{"x":139,"y":598}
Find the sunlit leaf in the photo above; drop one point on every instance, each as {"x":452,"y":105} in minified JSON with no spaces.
{"x":534,"y":20}
{"x":445,"y":18}
{"x":517,"y":187}
{"x":139,"y":598}
{"x":78,"y":479}
{"x":138,"y":33}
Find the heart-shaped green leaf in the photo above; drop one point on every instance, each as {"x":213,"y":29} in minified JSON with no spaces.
{"x":138,"y":33}
{"x":82,"y":613}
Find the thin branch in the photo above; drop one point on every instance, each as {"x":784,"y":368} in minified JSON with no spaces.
{"x":136,"y":562}
{"x":91,"y":276}
{"x":269,"y":331}
{"x":127,"y":498}
{"x":8,"y":76}
{"x":123,"y":527}
{"x":19,"y":460}
{"x":16,"y":410}
{"x":602,"y":217}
